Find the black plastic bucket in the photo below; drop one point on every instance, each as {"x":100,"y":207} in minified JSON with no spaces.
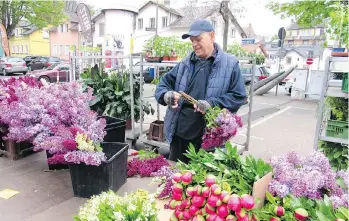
{"x":110,"y":175}
{"x":115,"y":129}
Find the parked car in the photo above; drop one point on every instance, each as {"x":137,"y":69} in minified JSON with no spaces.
{"x":29,"y":59}
{"x":42,"y":63}
{"x":289,"y":84}
{"x":285,"y":80}
{"x":260,"y":73}
{"x":10,"y":65}
{"x":52,"y":73}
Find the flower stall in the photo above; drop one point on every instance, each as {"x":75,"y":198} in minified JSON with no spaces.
{"x":57,"y":118}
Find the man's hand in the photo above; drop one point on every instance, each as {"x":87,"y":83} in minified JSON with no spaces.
{"x":171,"y":98}
{"x":202,"y":106}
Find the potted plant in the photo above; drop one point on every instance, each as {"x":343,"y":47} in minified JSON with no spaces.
{"x":113,"y":96}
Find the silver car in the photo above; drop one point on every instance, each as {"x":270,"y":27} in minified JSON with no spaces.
{"x":10,"y":65}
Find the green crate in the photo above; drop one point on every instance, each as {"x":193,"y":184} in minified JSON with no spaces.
{"x":337,"y":129}
{"x":345,"y":83}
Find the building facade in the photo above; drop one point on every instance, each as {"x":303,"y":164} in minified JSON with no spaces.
{"x":173,"y":22}
{"x":27,"y":39}
{"x":64,"y":37}
{"x":297,"y":35}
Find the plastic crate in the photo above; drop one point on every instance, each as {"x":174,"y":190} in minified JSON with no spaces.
{"x":345,"y":83}
{"x":115,"y":129}
{"x":110,"y":175}
{"x":337,"y":129}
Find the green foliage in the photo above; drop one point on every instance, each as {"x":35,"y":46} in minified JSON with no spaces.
{"x":113,"y":93}
{"x":310,"y":13}
{"x":339,"y":107}
{"x":144,"y":155}
{"x":235,"y":173}
{"x":319,"y":210}
{"x":336,"y":154}
{"x":162,"y":46}
{"x":38,"y":13}
{"x":238,"y":51}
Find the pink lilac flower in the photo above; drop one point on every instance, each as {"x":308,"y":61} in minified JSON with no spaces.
{"x":88,"y":158}
{"x":221,"y":129}
{"x":311,"y":177}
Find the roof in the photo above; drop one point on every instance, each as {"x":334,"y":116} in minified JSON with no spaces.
{"x":190,"y":14}
{"x":253,"y":47}
{"x":303,"y":50}
{"x":171,"y":10}
{"x":249,"y":31}
{"x":295,"y":26}
{"x":31,"y":30}
{"x":73,"y":17}
{"x":23,"y":23}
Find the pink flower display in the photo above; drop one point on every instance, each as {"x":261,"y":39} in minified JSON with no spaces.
{"x":50,"y":117}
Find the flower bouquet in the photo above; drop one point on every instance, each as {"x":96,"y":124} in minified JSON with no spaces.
{"x":137,"y":206}
{"x":221,"y":125}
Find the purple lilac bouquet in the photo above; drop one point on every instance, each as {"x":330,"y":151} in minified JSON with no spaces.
{"x":221,"y":125}
{"x":163,"y":178}
{"x":52,"y":117}
{"x":310,"y":177}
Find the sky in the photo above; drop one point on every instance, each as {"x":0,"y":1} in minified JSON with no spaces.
{"x":263,"y":21}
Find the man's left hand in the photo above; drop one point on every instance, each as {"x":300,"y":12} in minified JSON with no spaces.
{"x":202,"y":106}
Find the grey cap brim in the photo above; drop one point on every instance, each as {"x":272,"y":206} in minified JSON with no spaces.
{"x":192,"y":33}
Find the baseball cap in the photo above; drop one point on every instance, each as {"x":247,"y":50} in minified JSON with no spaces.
{"x":198,"y":27}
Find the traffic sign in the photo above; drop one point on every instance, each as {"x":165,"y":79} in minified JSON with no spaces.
{"x":149,"y":29}
{"x":309,"y":61}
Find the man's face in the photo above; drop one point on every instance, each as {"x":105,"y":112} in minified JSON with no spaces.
{"x":203,"y":44}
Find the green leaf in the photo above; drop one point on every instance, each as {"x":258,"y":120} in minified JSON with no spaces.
{"x":337,"y":154}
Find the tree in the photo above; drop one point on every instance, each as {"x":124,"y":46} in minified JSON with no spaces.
{"x":275,"y":37}
{"x":238,"y":51}
{"x":38,"y":13}
{"x":334,"y":14}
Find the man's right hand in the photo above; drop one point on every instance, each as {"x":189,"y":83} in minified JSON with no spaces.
{"x":171,"y":98}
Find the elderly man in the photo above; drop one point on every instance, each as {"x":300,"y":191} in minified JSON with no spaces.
{"x":210,"y":76}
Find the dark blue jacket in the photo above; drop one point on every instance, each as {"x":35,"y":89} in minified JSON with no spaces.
{"x":225,"y":87}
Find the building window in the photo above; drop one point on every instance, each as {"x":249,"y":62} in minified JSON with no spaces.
{"x":26,"y":49}
{"x":61,"y":28}
{"x":16,"y":32}
{"x":288,"y":60}
{"x":290,"y":42}
{"x":22,"y":49}
{"x":67,"y":50}
{"x":140,"y":23}
{"x":17,"y":49}
{"x":214,"y":24}
{"x":45,"y":34}
{"x":305,"y":42}
{"x":13,"y":49}
{"x":54,"y":52}
{"x":233,"y":32}
{"x":152,"y":23}
{"x":61,"y":50}
{"x":101,"y":29}
{"x":164,"y":22}
{"x":65,"y":28}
